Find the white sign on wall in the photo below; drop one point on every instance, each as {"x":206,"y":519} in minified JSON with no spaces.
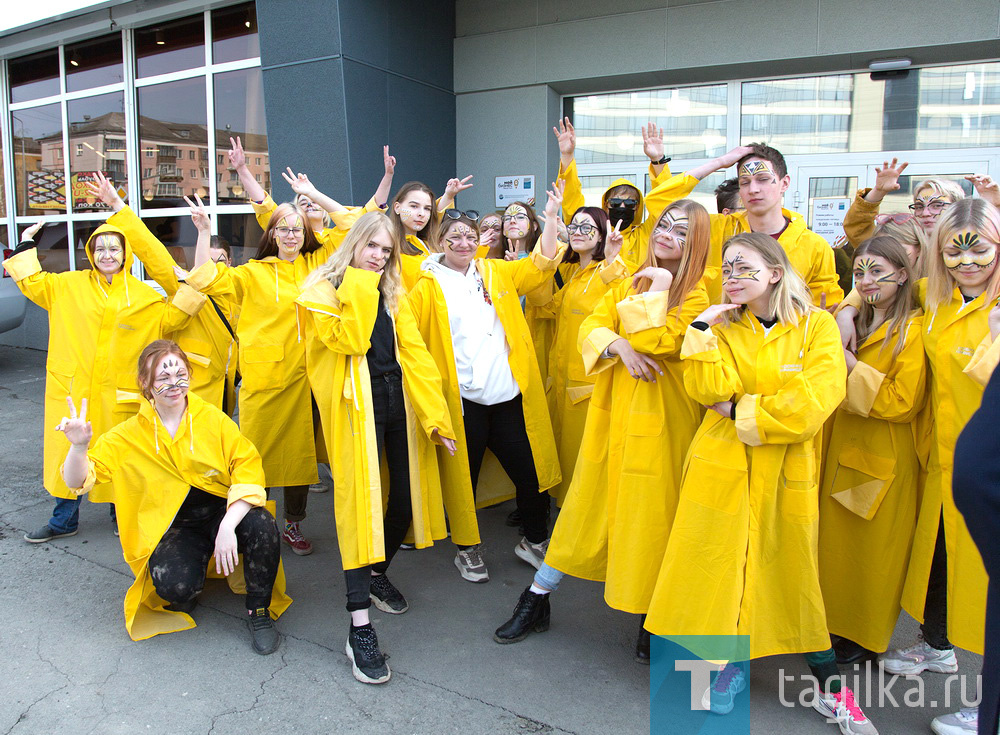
{"x":514,"y":189}
{"x":828,"y":219}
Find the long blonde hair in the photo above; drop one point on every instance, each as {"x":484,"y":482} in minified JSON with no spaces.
{"x":790,"y":299}
{"x":886,"y":247}
{"x":693,"y":259}
{"x":360,"y":235}
{"x":967,"y":214}
{"x":908,"y":233}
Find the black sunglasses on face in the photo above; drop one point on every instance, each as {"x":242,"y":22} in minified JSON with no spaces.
{"x":458,"y":214}
{"x":616,"y":202}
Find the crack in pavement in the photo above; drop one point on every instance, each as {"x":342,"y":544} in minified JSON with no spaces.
{"x":24,"y":715}
{"x":256,"y":701}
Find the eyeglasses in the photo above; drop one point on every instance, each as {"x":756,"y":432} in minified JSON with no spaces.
{"x":512,"y":217}
{"x":932,"y":207}
{"x":900,"y":218}
{"x":458,"y":214}
{"x":584,"y":229}
{"x":616,"y":202}
{"x":285,"y":231}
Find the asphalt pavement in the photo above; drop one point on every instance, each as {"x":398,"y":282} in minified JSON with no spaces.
{"x":67,"y":665}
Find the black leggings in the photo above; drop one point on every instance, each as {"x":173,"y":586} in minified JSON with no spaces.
{"x":500,"y":428}
{"x":935,"y":626}
{"x":180,"y":560}
{"x":390,"y":433}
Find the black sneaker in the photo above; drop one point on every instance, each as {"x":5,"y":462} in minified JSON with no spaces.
{"x":386,"y":597}
{"x":45,"y":533}
{"x":367,"y":662}
{"x":264,"y":637}
{"x":531,"y":613}
{"x":514,"y":519}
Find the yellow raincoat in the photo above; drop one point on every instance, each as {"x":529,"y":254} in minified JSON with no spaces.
{"x":741,"y":558}
{"x":505,"y":281}
{"x":206,"y":340}
{"x":339,"y":324}
{"x":151,"y":473}
{"x":570,"y":384}
{"x":96,"y":332}
{"x":870,"y":494}
{"x":664,"y":189}
{"x":620,"y":505}
{"x":275,"y":401}
{"x":951,"y":336}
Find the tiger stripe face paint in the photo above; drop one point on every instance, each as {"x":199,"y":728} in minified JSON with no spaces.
{"x":877,"y":280}
{"x":745,"y":277}
{"x":967,"y":253}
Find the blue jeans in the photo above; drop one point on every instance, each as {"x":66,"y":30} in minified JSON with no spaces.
{"x":66,"y":515}
{"x":548,"y":577}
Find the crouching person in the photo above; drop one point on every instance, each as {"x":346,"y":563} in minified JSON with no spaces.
{"x":189,"y":488}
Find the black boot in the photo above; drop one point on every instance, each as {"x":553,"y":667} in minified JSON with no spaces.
{"x":848,"y":652}
{"x":513,"y":518}
{"x":531,"y":613}
{"x":642,"y":643}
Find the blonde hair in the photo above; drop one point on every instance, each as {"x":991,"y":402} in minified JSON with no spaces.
{"x":790,"y":299}
{"x":908,"y":233}
{"x":360,"y":235}
{"x":941,"y":187}
{"x":968,"y":214}
{"x":883,"y":246}
{"x":694,"y":258}
{"x":300,"y":200}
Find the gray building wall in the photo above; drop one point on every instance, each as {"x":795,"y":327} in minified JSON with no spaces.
{"x":344,"y":78}
{"x":514,"y":59}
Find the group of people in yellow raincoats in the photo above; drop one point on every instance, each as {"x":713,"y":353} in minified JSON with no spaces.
{"x":728,"y":456}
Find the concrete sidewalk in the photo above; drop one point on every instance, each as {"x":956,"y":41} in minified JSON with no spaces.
{"x":67,"y":665}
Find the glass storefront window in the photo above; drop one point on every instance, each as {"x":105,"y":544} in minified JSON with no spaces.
{"x":94,"y":63}
{"x":39,"y":180}
{"x":242,"y":233}
{"x":33,"y":77}
{"x":608,"y":126}
{"x":239,"y":111}
{"x":807,"y":115}
{"x":53,"y":253}
{"x":169,"y":47}
{"x":172,"y":124}
{"x":96,"y":143}
{"x":178,"y":235}
{"x":234,"y":33}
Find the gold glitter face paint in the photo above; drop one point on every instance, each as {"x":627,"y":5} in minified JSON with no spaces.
{"x":752,"y":168}
{"x":515,"y":221}
{"x":729,"y":271}
{"x":973,"y":251}
{"x":668,"y":225}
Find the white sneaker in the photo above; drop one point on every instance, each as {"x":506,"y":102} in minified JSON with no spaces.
{"x":963,"y":722}
{"x":918,"y":658}
{"x":471,"y":565}
{"x":534,"y":554}
{"x":721,"y":696}
{"x":842,"y":709}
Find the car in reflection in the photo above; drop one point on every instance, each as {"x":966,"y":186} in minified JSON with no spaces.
{"x":12,"y":301}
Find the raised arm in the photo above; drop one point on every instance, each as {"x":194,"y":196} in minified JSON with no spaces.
{"x":572,"y":189}
{"x":652,"y":146}
{"x":451,"y":190}
{"x":385,"y":185}
{"x":301,"y":184}
{"x":38,"y":285}
{"x":718,"y":164}
{"x":238,"y":160}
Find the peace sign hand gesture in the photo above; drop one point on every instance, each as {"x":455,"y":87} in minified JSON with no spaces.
{"x":454,"y":186}
{"x":612,"y":241}
{"x":76,"y":428}
{"x":199,"y":215}
{"x":300,"y":183}
{"x":237,"y":157}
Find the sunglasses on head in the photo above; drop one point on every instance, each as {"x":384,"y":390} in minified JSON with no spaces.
{"x":616,"y":202}
{"x":900,"y":218}
{"x":458,"y":214}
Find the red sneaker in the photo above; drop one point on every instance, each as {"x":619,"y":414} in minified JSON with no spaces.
{"x":294,"y":538}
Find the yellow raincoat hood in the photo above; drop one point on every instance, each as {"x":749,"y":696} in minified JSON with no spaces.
{"x":623,"y":182}
{"x":103,"y":230}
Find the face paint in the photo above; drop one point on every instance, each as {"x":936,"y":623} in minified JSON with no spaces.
{"x":752,"y":168}
{"x":670,"y":226}
{"x":515,"y":222}
{"x":971,"y":252}
{"x":171,"y":369}
{"x":729,"y":271}
{"x":933,"y":204}
{"x":108,"y":248}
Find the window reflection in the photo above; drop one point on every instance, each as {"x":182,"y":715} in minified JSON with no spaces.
{"x":94,"y":63}
{"x":608,"y":125}
{"x":168,"y":47}
{"x":96,"y":143}
{"x":81,"y":234}
{"x":234,"y":33}
{"x":33,"y":77}
{"x":239,"y":111}
{"x":178,"y":235}
{"x":38,"y":160}
{"x":172,"y":129}
{"x":808,"y":115}
{"x":242,"y":233}
{"x":3,"y":188}
{"x":51,"y":242}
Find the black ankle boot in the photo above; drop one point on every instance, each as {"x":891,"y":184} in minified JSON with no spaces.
{"x":642,"y":643}
{"x":531,"y":613}
{"x":848,"y":652}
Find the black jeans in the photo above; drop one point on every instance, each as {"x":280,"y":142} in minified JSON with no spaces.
{"x":935,"y":626}
{"x":390,"y":433}
{"x":179,"y":562}
{"x":500,"y":428}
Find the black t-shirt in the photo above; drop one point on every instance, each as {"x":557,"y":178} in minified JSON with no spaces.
{"x":382,"y":353}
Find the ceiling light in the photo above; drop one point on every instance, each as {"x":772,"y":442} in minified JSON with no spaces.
{"x":890,"y":64}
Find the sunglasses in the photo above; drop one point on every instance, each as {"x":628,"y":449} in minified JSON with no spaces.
{"x":458,"y":214}
{"x":900,"y":218}
{"x":616,"y":202}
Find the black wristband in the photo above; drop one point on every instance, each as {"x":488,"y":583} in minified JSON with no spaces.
{"x":25,"y":245}
{"x":701,"y":326}
{"x":665,"y":159}
{"x":732,"y":411}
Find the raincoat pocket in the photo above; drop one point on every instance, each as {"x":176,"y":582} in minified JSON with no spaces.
{"x":862,"y":480}
{"x":60,"y":377}
{"x":197,"y":350}
{"x":799,"y":496}
{"x":715,"y":485}
{"x":643,"y":444}
{"x":261,"y":367}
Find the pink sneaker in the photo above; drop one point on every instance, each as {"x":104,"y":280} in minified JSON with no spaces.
{"x":294,"y":538}
{"x":840,"y":707}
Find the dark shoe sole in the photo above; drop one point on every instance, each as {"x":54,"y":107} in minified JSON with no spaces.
{"x":50,"y":538}
{"x":359,"y":674}
{"x":539,"y":627}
